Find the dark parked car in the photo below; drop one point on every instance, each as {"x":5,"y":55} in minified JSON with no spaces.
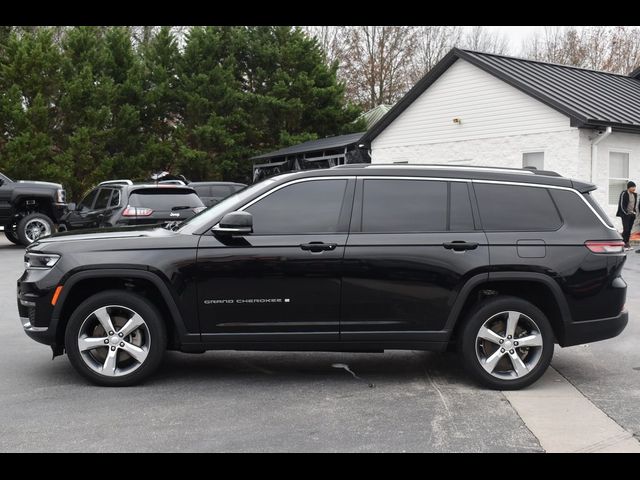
{"x":499,"y":264}
{"x":120,"y":203}
{"x":30,"y":209}
{"x":213,"y":192}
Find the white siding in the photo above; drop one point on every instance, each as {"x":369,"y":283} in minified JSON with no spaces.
{"x":487,"y":107}
{"x":618,"y":142}
{"x":561,"y":152}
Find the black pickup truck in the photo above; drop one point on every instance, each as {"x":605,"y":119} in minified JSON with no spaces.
{"x":30,"y":209}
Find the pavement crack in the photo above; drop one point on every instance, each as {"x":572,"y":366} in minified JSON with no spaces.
{"x":344,"y":366}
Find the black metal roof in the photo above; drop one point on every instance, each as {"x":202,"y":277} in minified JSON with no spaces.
{"x":328,"y":143}
{"x":590,"y":98}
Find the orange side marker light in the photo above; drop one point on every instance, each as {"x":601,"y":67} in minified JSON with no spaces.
{"x":56,"y":294}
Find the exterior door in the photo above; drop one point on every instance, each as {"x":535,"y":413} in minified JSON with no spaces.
{"x":5,"y":199}
{"x":283,"y":281}
{"x":82,"y":216}
{"x":412,"y":246}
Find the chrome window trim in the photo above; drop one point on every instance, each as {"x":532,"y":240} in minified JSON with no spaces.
{"x":555,"y":187}
{"x":441,"y":179}
{"x":292,"y":182}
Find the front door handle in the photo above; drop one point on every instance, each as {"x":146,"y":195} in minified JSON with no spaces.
{"x":459,"y":245}
{"x":318,"y":246}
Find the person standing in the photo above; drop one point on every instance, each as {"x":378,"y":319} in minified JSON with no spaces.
{"x":627,"y":211}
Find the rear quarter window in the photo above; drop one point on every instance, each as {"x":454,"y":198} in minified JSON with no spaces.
{"x":516,"y":208}
{"x":576,"y":212}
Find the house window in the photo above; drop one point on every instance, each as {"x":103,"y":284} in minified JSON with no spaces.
{"x":618,"y":175}
{"x":533,"y":159}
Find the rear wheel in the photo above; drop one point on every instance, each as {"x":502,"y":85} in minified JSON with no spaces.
{"x":11,"y":234}
{"x":115,"y":338}
{"x":507,"y":343}
{"x":33,"y":226}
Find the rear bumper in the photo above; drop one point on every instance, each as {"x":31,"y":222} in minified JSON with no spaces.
{"x":577,"y":333}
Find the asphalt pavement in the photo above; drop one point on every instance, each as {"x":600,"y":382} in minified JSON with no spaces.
{"x":264,"y":401}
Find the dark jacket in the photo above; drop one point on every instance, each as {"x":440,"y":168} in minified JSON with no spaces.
{"x":623,"y":202}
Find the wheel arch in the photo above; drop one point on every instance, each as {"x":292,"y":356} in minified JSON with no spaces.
{"x":81,"y":285}
{"x":537,"y":288}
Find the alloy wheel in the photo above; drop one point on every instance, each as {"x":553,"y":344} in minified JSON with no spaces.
{"x":509,"y":345}
{"x":36,"y":228}
{"x":114,"y":341}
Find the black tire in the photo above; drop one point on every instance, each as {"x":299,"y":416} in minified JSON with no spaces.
{"x":10,"y":233}
{"x":25,"y":222}
{"x":140,"y":305}
{"x":467,"y":342}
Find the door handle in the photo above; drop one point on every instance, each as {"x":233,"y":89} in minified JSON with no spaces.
{"x":459,"y":245}
{"x":318,"y":246}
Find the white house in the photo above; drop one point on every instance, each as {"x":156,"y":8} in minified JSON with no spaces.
{"x":481,"y":109}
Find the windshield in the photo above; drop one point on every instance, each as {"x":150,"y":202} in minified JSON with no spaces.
{"x":206,"y":217}
{"x":5,"y":179}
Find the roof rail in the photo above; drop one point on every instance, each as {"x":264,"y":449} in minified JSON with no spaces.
{"x":446,"y":167}
{"x":116,"y":182}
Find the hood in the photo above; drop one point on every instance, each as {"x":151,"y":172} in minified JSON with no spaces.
{"x":37,"y":184}
{"x":101,"y":234}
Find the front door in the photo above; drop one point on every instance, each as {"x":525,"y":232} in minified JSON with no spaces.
{"x":83,"y":215}
{"x":283,"y":281}
{"x":413,"y":245}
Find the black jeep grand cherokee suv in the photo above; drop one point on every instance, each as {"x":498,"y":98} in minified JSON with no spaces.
{"x":501,"y":264}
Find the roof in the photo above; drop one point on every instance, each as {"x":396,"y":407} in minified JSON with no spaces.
{"x":590,"y":98}
{"x":328,"y":143}
{"x":520,"y":175}
{"x":372,"y":116}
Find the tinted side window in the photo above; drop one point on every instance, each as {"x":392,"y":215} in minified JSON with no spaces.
{"x":202,"y":191}
{"x":103,"y":199}
{"x":115,"y":199}
{"x":404,"y":206}
{"x":220,"y":191}
{"x":306,"y":207}
{"x":516,"y":208}
{"x":87,"y":201}
{"x":460,"y":216}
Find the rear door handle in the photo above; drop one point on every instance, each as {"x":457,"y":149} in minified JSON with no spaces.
{"x":459,"y":245}
{"x":318,"y":246}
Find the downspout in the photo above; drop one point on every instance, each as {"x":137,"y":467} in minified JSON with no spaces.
{"x":594,"y":149}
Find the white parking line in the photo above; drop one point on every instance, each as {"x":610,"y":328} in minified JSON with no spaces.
{"x":564,"y":420}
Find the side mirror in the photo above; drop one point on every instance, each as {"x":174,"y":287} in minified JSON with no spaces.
{"x":234,"y":224}
{"x":71,"y":206}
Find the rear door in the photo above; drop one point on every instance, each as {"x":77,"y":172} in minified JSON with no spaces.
{"x":413,"y":244}
{"x":5,"y":199}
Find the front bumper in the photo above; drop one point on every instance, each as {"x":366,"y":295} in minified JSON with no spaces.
{"x":577,"y":333}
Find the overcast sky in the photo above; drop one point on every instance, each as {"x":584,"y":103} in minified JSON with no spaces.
{"x":516,"y":34}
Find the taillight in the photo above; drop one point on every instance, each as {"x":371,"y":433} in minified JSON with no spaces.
{"x":199,"y":209}
{"x":137,"y":212}
{"x":605,"y":246}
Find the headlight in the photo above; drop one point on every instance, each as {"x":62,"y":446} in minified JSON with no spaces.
{"x":61,"y":196}
{"x":40,"y":261}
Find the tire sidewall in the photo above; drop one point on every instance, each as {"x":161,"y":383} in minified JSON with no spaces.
{"x":22,"y":223}
{"x":11,"y":234}
{"x":138,"y":304}
{"x":481,"y":314}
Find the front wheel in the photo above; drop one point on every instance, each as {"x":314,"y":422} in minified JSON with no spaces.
{"x":116,"y":338}
{"x":506,"y":343}
{"x":33,"y":226}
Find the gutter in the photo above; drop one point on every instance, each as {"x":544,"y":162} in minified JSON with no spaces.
{"x":594,"y":148}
